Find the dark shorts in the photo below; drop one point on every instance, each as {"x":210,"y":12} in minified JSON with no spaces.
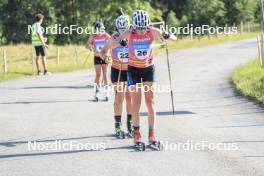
{"x":138,"y":75}
{"x":115,"y":74}
{"x":40,"y":50}
{"x":98,"y":61}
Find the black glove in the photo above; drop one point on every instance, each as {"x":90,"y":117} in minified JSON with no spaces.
{"x":165,"y":35}
{"x":123,"y":43}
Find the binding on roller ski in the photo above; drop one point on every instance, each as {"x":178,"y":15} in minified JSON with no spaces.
{"x":153,"y":144}
{"x":97,"y":93}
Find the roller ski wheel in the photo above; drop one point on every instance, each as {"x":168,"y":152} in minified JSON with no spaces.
{"x":140,"y":146}
{"x":120,"y":134}
{"x":155,"y":145}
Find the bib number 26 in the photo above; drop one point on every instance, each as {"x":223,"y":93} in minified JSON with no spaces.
{"x":141,"y":54}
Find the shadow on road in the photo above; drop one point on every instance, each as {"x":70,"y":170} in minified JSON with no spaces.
{"x":26,"y":154}
{"x":14,"y":143}
{"x":168,"y":113}
{"x":240,"y":126}
{"x":44,"y":102}
{"x":243,"y":141}
{"x":54,"y":87}
{"x":61,"y":152}
{"x":254,"y":156}
{"x":61,"y":87}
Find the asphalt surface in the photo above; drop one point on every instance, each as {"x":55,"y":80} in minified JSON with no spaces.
{"x":208,"y":110}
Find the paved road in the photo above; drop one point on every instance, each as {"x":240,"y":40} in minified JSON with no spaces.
{"x":59,"y":107}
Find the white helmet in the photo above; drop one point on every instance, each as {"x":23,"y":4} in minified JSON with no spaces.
{"x":141,"y":19}
{"x":122,"y":23}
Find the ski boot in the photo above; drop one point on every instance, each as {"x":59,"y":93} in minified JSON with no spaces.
{"x":96,"y":96}
{"x":39,"y":73}
{"x":107,"y":93}
{"x":130,"y":132}
{"x":139,"y":145}
{"x":106,"y":99}
{"x":46,"y":73}
{"x":153,"y":143}
{"x":119,"y":133}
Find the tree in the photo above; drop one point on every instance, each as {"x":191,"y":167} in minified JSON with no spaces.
{"x":205,"y":12}
{"x":168,"y":5}
{"x":240,"y":11}
{"x":18,"y":14}
{"x":184,"y":21}
{"x":172,"y":20}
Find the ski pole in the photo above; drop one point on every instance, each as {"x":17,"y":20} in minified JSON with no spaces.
{"x":170,"y":80}
{"x":86,"y":59}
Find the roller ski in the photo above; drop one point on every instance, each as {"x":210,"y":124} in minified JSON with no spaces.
{"x":138,"y":144}
{"x":153,"y":143}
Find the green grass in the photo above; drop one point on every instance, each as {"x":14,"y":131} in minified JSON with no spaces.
{"x":249,"y":80}
{"x":20,"y":62}
{"x":19,"y":56}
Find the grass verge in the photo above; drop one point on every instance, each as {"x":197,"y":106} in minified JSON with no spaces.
{"x":19,"y":57}
{"x":249,"y":80}
{"x":75,"y":57}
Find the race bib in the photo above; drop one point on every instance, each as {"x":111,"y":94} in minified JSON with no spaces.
{"x":99,"y":46}
{"x":122,"y":55}
{"x":142,"y":52}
